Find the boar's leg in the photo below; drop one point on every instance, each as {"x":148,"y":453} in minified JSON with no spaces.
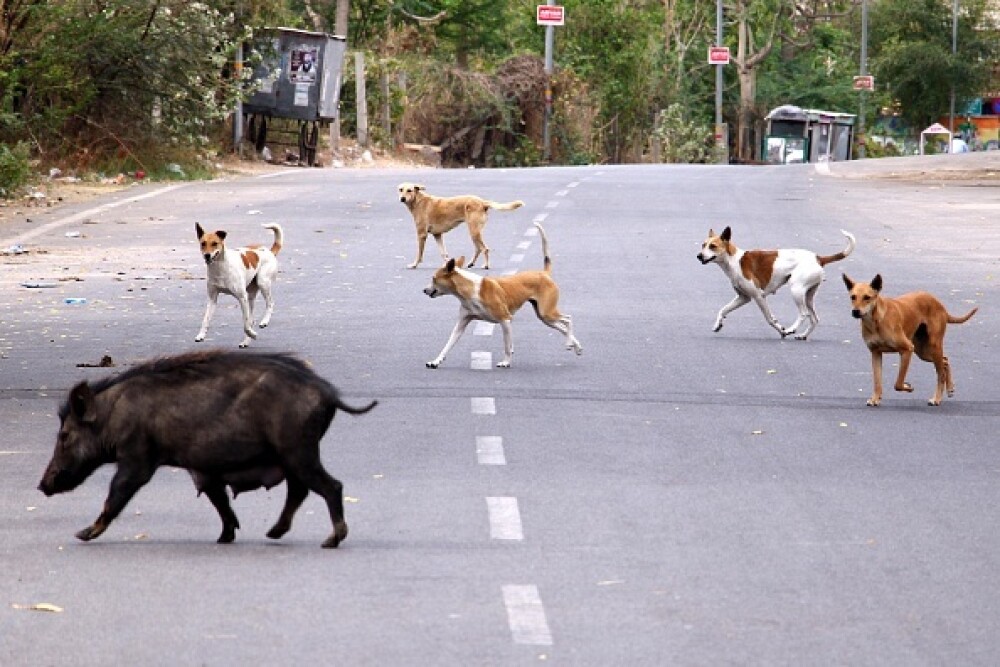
{"x":297,"y":492}
{"x":124,"y":484}
{"x":215,"y":489}
{"x":320,"y":481}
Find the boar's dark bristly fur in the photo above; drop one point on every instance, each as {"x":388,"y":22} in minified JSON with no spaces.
{"x":230,"y":419}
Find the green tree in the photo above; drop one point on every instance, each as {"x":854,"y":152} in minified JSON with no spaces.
{"x":912,"y":54}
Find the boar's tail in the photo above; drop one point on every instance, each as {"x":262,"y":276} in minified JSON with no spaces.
{"x":355,"y":411}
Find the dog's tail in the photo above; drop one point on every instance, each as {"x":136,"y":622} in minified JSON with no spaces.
{"x":826,"y":259}
{"x":509,"y":206}
{"x":965,"y":318}
{"x":279,"y":237}
{"x":545,"y":248}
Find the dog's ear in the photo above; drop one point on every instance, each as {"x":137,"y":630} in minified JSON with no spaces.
{"x":711,"y":232}
{"x":848,"y":282}
{"x":198,"y":230}
{"x":221,"y":234}
{"x":417,"y":187}
{"x":460,"y":262}
{"x":726,"y":234}
{"x":450,"y":266}
{"x":876,"y":282}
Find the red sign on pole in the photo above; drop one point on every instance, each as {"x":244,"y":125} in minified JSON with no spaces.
{"x":718,"y":55}
{"x":550,"y":15}
{"x":866,"y":82}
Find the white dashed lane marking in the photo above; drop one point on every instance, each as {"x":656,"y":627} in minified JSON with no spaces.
{"x":524,"y":245}
{"x":481,"y":361}
{"x":526,"y":615}
{"x":552,"y":204}
{"x":505,"y":518}
{"x":516,"y":258}
{"x":483,"y":405}
{"x":489,"y":450}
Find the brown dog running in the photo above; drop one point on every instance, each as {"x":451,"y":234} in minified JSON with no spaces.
{"x":913,"y":322}
{"x":497,"y":299}
{"x":438,"y":215}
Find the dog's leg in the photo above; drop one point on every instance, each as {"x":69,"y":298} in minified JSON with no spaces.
{"x":905,"y":355}
{"x":739,"y":300}
{"x":463,"y":321}
{"x":761,"y":302}
{"x":421,"y":241}
{"x":508,"y":344}
{"x":801,"y":297}
{"x":247,"y":319}
{"x":213,"y":298}
{"x":476,"y":232}
{"x":876,"y":397}
{"x":564,"y":325}
{"x":949,"y":382}
{"x":265,"y":283}
{"x":439,"y":238}
{"x":811,"y":312}
{"x":941,"y":367}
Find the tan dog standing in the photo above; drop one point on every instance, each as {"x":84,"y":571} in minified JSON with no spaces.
{"x":436,"y":216}
{"x":241,"y":273}
{"x":497,"y":299}
{"x":913,"y":322}
{"x":757,"y":274}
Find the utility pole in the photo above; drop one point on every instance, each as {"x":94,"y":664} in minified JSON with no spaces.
{"x":549,"y":16}
{"x":864,"y":72}
{"x":954,"y":52}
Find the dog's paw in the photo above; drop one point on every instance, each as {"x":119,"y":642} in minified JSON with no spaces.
{"x":905,"y":387}
{"x":873,"y":402}
{"x":503,"y":364}
{"x":199,"y":338}
{"x":932,"y":401}
{"x":412,"y":266}
{"x":432,"y":364}
{"x":718,"y":327}
{"x":801,"y":336}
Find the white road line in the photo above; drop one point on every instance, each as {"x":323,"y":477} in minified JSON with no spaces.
{"x":532,"y":231}
{"x":526,"y":615}
{"x":538,"y":218}
{"x":483,"y":328}
{"x":562,"y":193}
{"x":481,"y":361}
{"x":505,"y":518}
{"x":524,"y":245}
{"x":552,"y":204}
{"x":489,"y":450}
{"x":516,"y":258}
{"x":483,"y":405}
{"x":83,"y":215}
{"x":573,"y":184}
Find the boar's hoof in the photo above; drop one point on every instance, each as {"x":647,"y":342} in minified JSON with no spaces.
{"x":339,"y":535}
{"x":89,"y":533}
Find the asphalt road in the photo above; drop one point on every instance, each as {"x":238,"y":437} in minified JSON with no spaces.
{"x":672,"y":496}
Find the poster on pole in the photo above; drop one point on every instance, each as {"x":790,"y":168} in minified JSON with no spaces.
{"x":550,"y":15}
{"x":718,"y":55}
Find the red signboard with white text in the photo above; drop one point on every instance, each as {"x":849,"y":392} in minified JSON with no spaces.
{"x":550,"y":15}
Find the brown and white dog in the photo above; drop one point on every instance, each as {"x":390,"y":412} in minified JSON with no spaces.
{"x":438,"y":215}
{"x":756,"y":274}
{"x":497,"y":299}
{"x":908,"y":324}
{"x":241,"y":273}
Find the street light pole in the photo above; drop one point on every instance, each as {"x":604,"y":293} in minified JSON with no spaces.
{"x":864,"y":72}
{"x":954,"y":51}
{"x":720,"y":135}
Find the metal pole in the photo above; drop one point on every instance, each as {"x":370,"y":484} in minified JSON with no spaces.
{"x":238,"y":111}
{"x":954,"y":51}
{"x":864,"y":72}
{"x":718,"y":68}
{"x":546,"y":131}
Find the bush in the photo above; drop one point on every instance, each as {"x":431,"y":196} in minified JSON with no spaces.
{"x":682,"y":140}
{"x":15,"y":170}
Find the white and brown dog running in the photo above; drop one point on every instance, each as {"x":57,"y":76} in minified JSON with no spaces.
{"x":497,"y":299}
{"x":436,"y":216}
{"x":908,"y":324}
{"x":756,"y":274}
{"x":241,"y":273}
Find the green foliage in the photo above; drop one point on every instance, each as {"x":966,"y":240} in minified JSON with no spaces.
{"x":913,"y":59}
{"x":15,"y":170}
{"x":683,"y":140}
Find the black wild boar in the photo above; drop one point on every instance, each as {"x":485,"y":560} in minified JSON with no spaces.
{"x":231,"y":419}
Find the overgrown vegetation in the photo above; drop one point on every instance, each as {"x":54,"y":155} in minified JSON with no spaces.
{"x":121,"y":85}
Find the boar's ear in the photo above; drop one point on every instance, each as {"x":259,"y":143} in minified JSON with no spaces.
{"x":876,"y":282}
{"x":82,"y":403}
